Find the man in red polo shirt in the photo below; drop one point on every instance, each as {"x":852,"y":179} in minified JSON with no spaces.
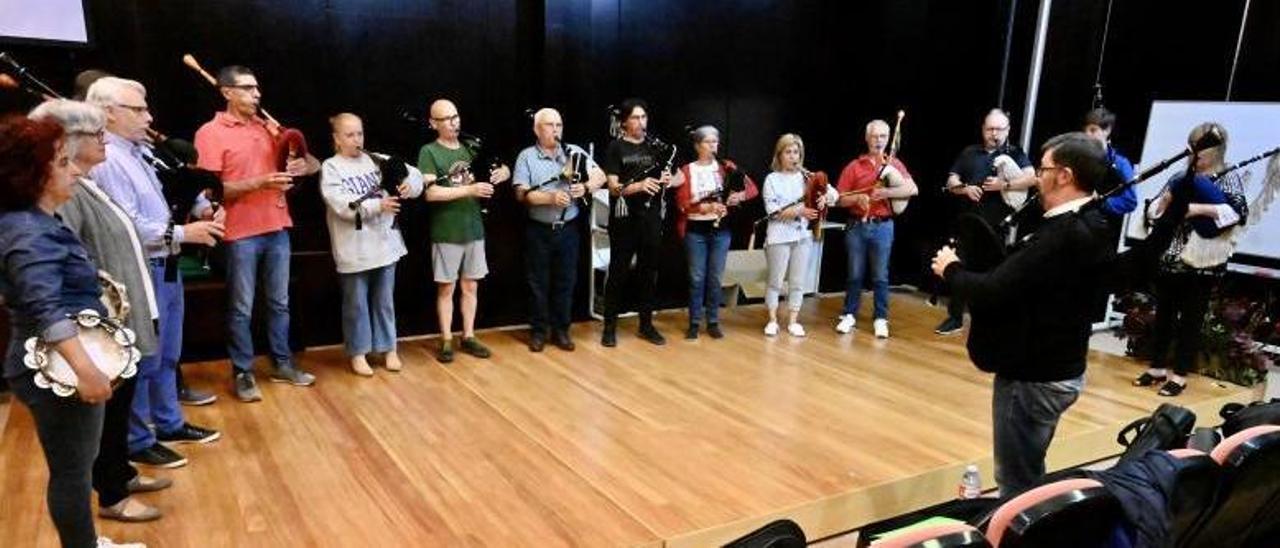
{"x":870,"y":227}
{"x":241,"y":148}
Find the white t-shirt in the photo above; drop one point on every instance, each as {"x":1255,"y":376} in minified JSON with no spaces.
{"x":704,"y":182}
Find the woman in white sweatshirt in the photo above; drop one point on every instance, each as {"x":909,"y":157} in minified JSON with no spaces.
{"x":366,"y":242}
{"x":789,"y":234}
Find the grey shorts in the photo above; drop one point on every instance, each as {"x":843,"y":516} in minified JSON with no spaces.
{"x":448,"y":261}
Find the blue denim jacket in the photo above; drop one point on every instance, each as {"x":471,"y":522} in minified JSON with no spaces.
{"x":45,"y":274}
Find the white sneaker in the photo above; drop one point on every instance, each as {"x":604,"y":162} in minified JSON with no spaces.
{"x":104,"y":542}
{"x":882,"y":328}
{"x":847,"y":321}
{"x":771,"y":329}
{"x":796,"y":330}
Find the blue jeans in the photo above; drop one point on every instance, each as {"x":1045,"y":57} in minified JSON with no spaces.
{"x":1024,"y":418}
{"x":707,"y":252}
{"x":862,"y":240}
{"x":155,"y":398}
{"x":551,"y":268}
{"x":369,"y":310}
{"x":265,"y":256}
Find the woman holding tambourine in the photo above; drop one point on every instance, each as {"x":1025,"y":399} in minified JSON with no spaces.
{"x":46,"y":275}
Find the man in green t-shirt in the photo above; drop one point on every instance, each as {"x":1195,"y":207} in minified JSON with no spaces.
{"x":457,"y":230}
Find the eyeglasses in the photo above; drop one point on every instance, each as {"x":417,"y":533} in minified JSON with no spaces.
{"x":995,"y":129}
{"x":445,"y":119}
{"x":139,"y":110}
{"x":1040,"y":171}
{"x":244,"y":87}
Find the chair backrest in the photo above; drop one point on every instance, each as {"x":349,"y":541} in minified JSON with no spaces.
{"x":953,"y":535}
{"x":1195,"y":494}
{"x":1248,"y":512}
{"x":1074,"y":512}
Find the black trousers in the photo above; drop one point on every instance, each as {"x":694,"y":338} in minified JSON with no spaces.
{"x":1182,"y":299}
{"x":551,"y":268}
{"x":69,"y":432}
{"x":639,"y":237}
{"x":111,"y":470}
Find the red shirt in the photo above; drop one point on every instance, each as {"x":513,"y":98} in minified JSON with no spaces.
{"x":861,"y":174}
{"x":239,"y":150}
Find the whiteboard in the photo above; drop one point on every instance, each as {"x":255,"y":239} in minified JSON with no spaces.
{"x":1252,"y":128}
{"x":44,"y":20}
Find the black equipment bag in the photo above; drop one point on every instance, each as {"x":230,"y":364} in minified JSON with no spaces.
{"x":1168,"y":428}
{"x":1238,"y":417}
{"x":783,"y":533}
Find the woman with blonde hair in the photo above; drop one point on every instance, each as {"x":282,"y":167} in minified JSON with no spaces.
{"x":365,"y":239}
{"x":789,"y":236}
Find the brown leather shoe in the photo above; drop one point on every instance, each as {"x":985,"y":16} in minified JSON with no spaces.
{"x":130,"y":511}
{"x":146,"y":484}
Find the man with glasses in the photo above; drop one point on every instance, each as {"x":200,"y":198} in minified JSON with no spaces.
{"x":552,"y":232}
{"x":457,"y":227}
{"x":977,"y":190}
{"x":128,"y":178}
{"x":1044,"y":290}
{"x":238,"y":145}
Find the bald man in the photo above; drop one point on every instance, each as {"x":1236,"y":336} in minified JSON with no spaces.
{"x":552,"y":232}
{"x":977,"y":190}
{"x":457,"y":229}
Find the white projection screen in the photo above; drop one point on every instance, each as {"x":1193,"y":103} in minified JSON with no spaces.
{"x":1252,"y":128}
{"x":47,"y":21}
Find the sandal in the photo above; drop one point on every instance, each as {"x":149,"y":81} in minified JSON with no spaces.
{"x":1171,"y":389}
{"x":1147,"y":379}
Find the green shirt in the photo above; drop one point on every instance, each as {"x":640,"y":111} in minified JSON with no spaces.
{"x":455,"y":221}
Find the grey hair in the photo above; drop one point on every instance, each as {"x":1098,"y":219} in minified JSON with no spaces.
{"x":106,"y":91}
{"x":75,"y":117}
{"x":702,"y":132}
{"x":877,"y":123}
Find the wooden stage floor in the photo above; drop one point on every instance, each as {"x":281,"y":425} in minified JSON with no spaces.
{"x":689,"y":444}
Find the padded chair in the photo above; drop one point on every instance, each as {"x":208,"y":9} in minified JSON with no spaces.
{"x":1248,"y":513}
{"x":1195,"y":494}
{"x":1068,"y":513}
{"x":955,"y":535}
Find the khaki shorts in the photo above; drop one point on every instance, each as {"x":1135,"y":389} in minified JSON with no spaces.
{"x":448,"y":261}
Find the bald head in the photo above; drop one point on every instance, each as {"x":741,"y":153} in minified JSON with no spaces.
{"x":445,"y":120}
{"x":995,"y":129}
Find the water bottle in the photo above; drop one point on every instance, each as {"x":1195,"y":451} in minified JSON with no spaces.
{"x":970,"y":483}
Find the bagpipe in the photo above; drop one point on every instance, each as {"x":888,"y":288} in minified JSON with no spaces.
{"x":290,"y":144}
{"x":982,"y":247}
{"x":888,"y":176}
{"x":662,"y":160}
{"x":575,"y":171}
{"x":392,"y":172}
{"x":735,"y":180}
{"x":816,"y":184}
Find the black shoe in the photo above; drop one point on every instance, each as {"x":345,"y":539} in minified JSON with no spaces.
{"x":446,"y":351}
{"x":562,"y":341}
{"x":713,"y":329}
{"x":691,"y":334}
{"x":651,"y":334}
{"x":1147,"y":379}
{"x":473,"y":346}
{"x":158,"y":456}
{"x":610,"y":337}
{"x":191,"y":396}
{"x":1171,"y":388}
{"x":189,"y":433}
{"x":950,"y":326}
{"x":536,"y":342}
